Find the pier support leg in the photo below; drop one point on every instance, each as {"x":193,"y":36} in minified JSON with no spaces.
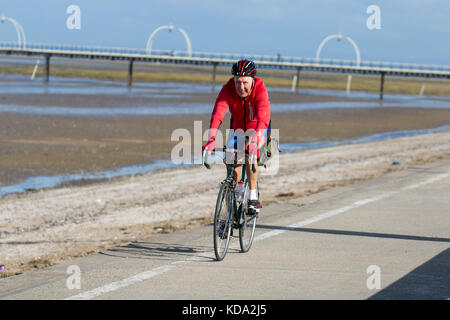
{"x":130,"y":72}
{"x":47,"y":68}
{"x":296,"y":84}
{"x":349,"y":83}
{"x":213,"y":80}
{"x":382,"y":85}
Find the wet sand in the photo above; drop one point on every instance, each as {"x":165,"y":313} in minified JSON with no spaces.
{"x":33,"y":145}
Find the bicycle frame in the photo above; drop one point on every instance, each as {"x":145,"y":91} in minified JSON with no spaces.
{"x":236,"y":213}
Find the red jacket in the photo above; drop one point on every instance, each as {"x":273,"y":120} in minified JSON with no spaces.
{"x":252,"y":112}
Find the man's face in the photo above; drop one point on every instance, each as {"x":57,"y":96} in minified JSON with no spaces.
{"x":243,"y":86}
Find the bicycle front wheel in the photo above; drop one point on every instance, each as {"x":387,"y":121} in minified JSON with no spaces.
{"x":223,"y":221}
{"x":247,"y":231}
{"x":247,"y":226}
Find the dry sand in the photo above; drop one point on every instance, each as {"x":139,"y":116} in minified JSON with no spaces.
{"x":43,"y":228}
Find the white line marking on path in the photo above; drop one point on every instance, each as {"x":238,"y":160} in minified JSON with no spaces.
{"x":165,"y":268}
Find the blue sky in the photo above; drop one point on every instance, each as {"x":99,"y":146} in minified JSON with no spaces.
{"x":416,"y":31}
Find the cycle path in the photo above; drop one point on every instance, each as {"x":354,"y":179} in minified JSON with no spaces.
{"x":384,"y":238}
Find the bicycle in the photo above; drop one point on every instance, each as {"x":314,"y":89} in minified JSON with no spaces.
{"x":231,"y":213}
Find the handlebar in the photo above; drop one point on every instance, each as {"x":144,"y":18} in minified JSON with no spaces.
{"x":205,"y":158}
{"x":208,"y":165}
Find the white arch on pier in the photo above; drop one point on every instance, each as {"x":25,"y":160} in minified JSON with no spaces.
{"x":353,"y":43}
{"x":148,"y":47}
{"x":339,"y":37}
{"x":21,"y":39}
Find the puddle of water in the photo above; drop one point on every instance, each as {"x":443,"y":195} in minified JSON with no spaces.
{"x":44,"y":182}
{"x":162,"y":108}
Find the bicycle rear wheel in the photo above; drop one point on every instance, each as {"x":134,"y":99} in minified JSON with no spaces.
{"x":223,"y":221}
{"x":247,"y":224}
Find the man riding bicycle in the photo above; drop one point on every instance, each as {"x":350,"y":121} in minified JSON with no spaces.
{"x":245,"y":95}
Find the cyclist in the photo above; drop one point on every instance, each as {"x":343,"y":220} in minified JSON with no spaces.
{"x":245,"y":95}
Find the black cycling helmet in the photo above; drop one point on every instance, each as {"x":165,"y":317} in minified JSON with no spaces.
{"x":244,"y":68}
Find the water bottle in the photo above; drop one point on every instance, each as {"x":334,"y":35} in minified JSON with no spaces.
{"x":240,"y":189}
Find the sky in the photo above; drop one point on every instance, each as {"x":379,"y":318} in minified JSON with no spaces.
{"x":412,"y":31}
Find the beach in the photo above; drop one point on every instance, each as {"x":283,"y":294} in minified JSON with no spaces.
{"x":39,"y":228}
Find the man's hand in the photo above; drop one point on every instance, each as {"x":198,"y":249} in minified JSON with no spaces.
{"x":211,"y":144}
